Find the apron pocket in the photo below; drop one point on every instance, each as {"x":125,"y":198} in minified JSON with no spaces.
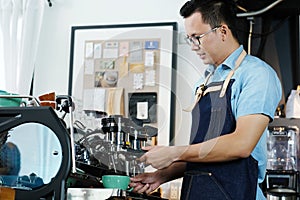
{"x":202,"y":186}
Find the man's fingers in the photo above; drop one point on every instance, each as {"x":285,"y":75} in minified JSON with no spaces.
{"x":143,"y":189}
{"x":137,"y":187}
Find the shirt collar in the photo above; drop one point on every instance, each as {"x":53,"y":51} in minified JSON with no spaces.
{"x":230,"y":61}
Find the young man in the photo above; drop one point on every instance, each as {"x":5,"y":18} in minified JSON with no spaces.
{"x":226,"y":158}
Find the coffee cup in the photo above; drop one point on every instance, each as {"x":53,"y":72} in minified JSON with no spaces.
{"x":116,"y":181}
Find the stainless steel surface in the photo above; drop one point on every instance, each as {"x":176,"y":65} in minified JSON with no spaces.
{"x":271,"y":197}
{"x":276,"y":180}
{"x":90,"y":193}
{"x":281,"y":194}
{"x":104,"y":193}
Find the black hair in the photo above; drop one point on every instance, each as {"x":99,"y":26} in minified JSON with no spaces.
{"x":214,"y":12}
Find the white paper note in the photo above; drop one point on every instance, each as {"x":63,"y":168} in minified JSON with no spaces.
{"x":89,"y":66}
{"x":149,"y":58}
{"x":142,"y":110}
{"x":97,"y":50}
{"x":150,"y":77}
{"x":88,"y":49}
{"x":94,"y":99}
{"x":138,"y":79}
{"x":110,"y":53}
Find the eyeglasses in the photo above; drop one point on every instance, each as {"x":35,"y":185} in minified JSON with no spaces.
{"x":195,"y":40}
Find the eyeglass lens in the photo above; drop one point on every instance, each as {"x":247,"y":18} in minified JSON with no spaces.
{"x":195,"y":40}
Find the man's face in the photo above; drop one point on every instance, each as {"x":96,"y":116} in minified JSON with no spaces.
{"x":194,"y":27}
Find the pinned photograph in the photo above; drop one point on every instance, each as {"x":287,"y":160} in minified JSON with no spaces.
{"x":106,"y":79}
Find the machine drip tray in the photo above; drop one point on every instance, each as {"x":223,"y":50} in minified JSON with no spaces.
{"x":105,"y":194}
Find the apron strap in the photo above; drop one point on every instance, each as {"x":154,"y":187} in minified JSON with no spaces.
{"x":237,"y":64}
{"x":200,"y":90}
{"x":212,"y":89}
{"x":199,"y":93}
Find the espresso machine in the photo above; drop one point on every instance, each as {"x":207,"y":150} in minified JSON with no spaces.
{"x":111,"y":149}
{"x":114,"y":148}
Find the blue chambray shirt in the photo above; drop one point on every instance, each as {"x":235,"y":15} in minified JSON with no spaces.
{"x":256,"y":90}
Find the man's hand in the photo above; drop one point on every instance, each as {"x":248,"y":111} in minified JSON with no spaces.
{"x":161,"y":157}
{"x":145,"y":183}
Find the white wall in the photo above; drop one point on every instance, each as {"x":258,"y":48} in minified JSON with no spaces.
{"x":52,"y":64}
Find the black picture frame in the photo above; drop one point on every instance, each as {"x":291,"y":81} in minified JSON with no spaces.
{"x":166,"y":32}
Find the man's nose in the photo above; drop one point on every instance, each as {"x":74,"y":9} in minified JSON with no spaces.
{"x":195,"y":47}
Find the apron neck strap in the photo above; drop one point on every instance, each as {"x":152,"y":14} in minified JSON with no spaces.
{"x":201,"y":88}
{"x":237,"y":64}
